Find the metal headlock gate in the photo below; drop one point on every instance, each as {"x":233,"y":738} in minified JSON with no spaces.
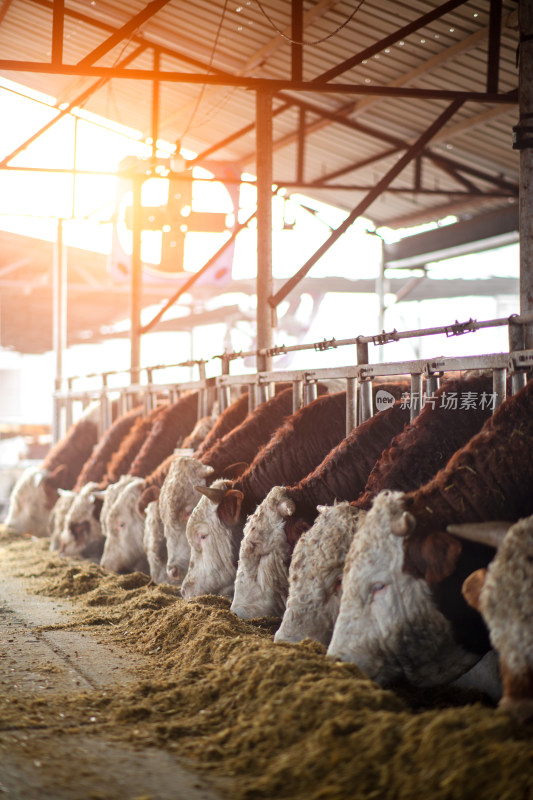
{"x":424,"y":376}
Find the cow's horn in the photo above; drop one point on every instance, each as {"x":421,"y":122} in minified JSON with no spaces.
{"x":489,"y":533}
{"x":286,"y":508}
{"x":215,"y":495}
{"x":403,"y":525}
{"x":206,"y":470}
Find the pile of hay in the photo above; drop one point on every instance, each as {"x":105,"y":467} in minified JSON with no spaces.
{"x":281,"y":720}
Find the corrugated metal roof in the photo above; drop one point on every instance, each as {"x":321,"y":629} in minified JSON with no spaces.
{"x":448,"y":53}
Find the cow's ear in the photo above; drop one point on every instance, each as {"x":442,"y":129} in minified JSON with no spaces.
{"x":97,"y":504}
{"x":57,"y":477}
{"x":234,"y":471}
{"x":472,"y":587}
{"x":432,"y":557}
{"x":148,"y":496}
{"x":294,"y":528}
{"x":229,"y":507}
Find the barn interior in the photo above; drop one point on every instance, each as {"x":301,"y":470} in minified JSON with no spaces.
{"x":410,"y":120}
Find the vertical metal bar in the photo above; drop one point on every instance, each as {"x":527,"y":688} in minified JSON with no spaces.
{"x":59,"y":322}
{"x":136,"y":281}
{"x":149,"y":397}
{"x":365,"y":387}
{"x":432,"y":385}
{"x":265,"y":314}
{"x":297,"y":395}
{"x":251,"y":397}
{"x":499,"y":386}
{"x":365,"y":401}
{"x":261,"y":393}
{"x":224,"y":397}
{"x":123,"y":402}
{"x":416,"y":394}
{"x":155,"y":105}
{"x":58,"y":20}
{"x":493,"y":52}
{"x":105,"y":406}
{"x":516,"y":342}
{"x":297,"y":32}
{"x":202,"y":392}
{"x":300,"y":155}
{"x":69,"y":415}
{"x":351,"y":404}
{"x":310,"y":392}
{"x":525,"y":99}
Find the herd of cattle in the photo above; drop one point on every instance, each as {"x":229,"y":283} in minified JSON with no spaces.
{"x":404,"y":547}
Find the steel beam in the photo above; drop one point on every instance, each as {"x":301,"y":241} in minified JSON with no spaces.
{"x":265,"y":314}
{"x":271,"y":85}
{"x":136,"y":282}
{"x":57,"y":31}
{"x":59,"y":323}
{"x":524,"y":142}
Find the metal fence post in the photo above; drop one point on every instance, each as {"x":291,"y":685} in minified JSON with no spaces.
{"x":351,"y":404}
{"x":416,"y":395}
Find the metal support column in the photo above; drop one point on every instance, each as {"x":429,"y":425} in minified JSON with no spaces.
{"x":265,"y":314}
{"x":524,"y":142}
{"x":136,"y":282}
{"x":59,"y":323}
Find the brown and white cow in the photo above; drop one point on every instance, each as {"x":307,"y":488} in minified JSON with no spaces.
{"x":315,"y":575}
{"x":177,"y":499}
{"x":123,"y":527}
{"x":503,"y":594}
{"x":82,"y":533}
{"x":154,"y":543}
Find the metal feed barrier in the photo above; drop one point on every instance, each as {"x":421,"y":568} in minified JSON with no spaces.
{"x":424,"y":376}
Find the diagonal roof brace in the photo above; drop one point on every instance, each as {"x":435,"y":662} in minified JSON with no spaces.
{"x":380,"y":187}
{"x":122,"y":33}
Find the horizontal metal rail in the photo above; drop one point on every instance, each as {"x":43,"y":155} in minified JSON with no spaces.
{"x":424,"y":375}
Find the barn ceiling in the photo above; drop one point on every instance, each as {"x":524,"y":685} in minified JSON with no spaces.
{"x":375,"y":86}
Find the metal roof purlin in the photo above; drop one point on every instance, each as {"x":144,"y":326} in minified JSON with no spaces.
{"x":122,"y":33}
{"x":411,"y":153}
{"x":368,"y":52}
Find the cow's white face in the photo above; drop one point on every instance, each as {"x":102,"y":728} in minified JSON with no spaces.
{"x":315,"y":575}
{"x":154,"y":544}
{"x":30,"y":504}
{"x":82,"y":534}
{"x":124,"y":530}
{"x":262,"y":579}
{"x":388,"y":623}
{"x":177,"y":499}
{"x":212,"y":565}
{"x":58,"y":516}
{"x":506,"y":603}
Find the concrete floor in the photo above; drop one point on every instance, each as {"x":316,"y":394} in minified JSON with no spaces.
{"x":64,"y":763}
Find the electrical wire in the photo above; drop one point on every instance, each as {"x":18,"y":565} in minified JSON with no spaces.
{"x":211,"y":59}
{"x":315,"y":41}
